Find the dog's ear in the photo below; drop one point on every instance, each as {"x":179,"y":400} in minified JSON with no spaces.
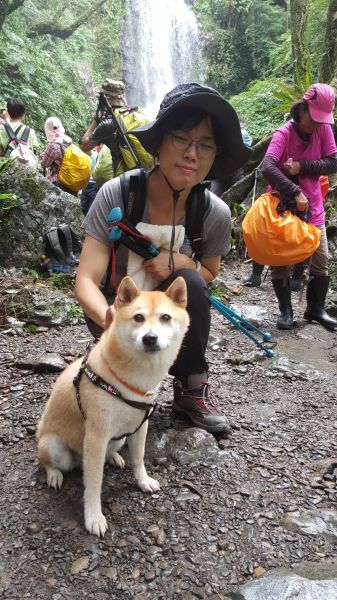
{"x":127,"y":291}
{"x":178,"y":292}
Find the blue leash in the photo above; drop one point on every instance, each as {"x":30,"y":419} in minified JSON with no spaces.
{"x":145,"y":249}
{"x":242,"y":324}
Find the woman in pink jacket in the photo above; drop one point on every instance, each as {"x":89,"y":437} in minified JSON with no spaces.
{"x":299,"y":153}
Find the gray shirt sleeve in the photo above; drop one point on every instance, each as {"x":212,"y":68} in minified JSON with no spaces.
{"x":216,"y":233}
{"x":96,"y":222}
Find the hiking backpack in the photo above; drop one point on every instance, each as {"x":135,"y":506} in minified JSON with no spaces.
{"x":75,"y":168}
{"x":119,"y":158}
{"x":61,"y":248}
{"x":133,"y":186}
{"x":18,"y":150}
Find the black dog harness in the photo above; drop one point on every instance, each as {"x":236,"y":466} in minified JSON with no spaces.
{"x":85,"y":369}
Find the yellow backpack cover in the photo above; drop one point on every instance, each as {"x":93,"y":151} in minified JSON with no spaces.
{"x":129,"y":121}
{"x":75,"y":169}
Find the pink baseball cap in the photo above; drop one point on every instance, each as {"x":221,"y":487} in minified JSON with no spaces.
{"x":321,"y":101}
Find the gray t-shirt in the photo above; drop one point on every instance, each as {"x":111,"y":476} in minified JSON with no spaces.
{"x":216,"y":230}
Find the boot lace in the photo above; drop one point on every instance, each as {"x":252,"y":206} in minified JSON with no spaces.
{"x":206,"y":401}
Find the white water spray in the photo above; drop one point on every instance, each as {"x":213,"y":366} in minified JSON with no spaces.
{"x":162,"y":48}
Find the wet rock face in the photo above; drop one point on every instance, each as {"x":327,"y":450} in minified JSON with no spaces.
{"x":37,"y":305}
{"x":38,"y":205}
{"x":283,"y":584}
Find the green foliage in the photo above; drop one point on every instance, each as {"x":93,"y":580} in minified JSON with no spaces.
{"x":256,"y":108}
{"x":288,"y":94}
{"x":7,"y":202}
{"x":31,"y":273}
{"x":75,"y":312}
{"x":61,"y":281}
{"x":4,"y":163}
{"x":219,"y":291}
{"x":241,"y":34}
{"x":331,"y":212}
{"x":54,"y":76}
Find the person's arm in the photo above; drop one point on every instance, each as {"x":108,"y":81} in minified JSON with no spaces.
{"x":324,"y":166}
{"x":51,"y":154}
{"x":86,"y":143}
{"x":93,"y":264}
{"x":277,"y":179}
{"x":159,"y":266}
{"x":282,"y":184}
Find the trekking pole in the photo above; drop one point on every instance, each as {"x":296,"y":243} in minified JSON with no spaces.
{"x":241,"y":324}
{"x":120,"y":130}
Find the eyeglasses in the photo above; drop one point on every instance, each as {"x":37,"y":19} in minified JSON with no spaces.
{"x":205,"y":149}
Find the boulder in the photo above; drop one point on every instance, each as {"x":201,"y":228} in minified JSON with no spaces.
{"x":35,"y":207}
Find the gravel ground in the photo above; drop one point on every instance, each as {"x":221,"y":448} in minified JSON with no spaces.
{"x":214,"y":525}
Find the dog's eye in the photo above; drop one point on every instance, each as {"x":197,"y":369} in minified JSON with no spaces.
{"x":139,"y":318}
{"x":165,"y":318}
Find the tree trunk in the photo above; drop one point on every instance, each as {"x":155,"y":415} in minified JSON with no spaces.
{"x":298,"y":28}
{"x":328,"y":68}
{"x":60,"y":31}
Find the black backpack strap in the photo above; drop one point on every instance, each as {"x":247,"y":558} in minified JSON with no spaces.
{"x":25,"y":135}
{"x":13,"y":135}
{"x":133,"y":187}
{"x":197,"y":204}
{"x":10,"y":132}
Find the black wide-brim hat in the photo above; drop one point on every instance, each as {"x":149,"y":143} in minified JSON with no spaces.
{"x":232,"y":154}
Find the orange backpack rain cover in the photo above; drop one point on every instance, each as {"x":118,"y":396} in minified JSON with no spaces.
{"x":277,"y":239}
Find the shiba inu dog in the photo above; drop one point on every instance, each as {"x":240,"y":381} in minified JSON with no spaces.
{"x":107,"y":396}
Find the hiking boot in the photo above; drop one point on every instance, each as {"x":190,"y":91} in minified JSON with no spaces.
{"x":199,"y":405}
{"x":254,"y":279}
{"x":282,"y":291}
{"x":316,"y":294}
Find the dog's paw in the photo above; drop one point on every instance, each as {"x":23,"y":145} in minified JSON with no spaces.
{"x":54,"y":478}
{"x":96,"y":524}
{"x":116,"y":459}
{"x":149,"y":485}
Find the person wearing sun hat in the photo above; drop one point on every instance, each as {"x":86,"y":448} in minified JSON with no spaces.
{"x":299,"y":153}
{"x":52,"y":156}
{"x":195,"y":136}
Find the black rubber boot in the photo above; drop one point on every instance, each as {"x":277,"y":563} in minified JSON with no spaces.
{"x":297,"y":276}
{"x":254,"y":279}
{"x":316,"y":293}
{"x":282,"y":291}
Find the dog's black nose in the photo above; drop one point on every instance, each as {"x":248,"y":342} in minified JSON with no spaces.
{"x":150,"y":340}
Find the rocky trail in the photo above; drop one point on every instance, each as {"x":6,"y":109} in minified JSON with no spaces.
{"x":252,"y":516}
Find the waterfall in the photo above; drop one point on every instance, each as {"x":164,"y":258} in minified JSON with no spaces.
{"x":161,"y":45}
